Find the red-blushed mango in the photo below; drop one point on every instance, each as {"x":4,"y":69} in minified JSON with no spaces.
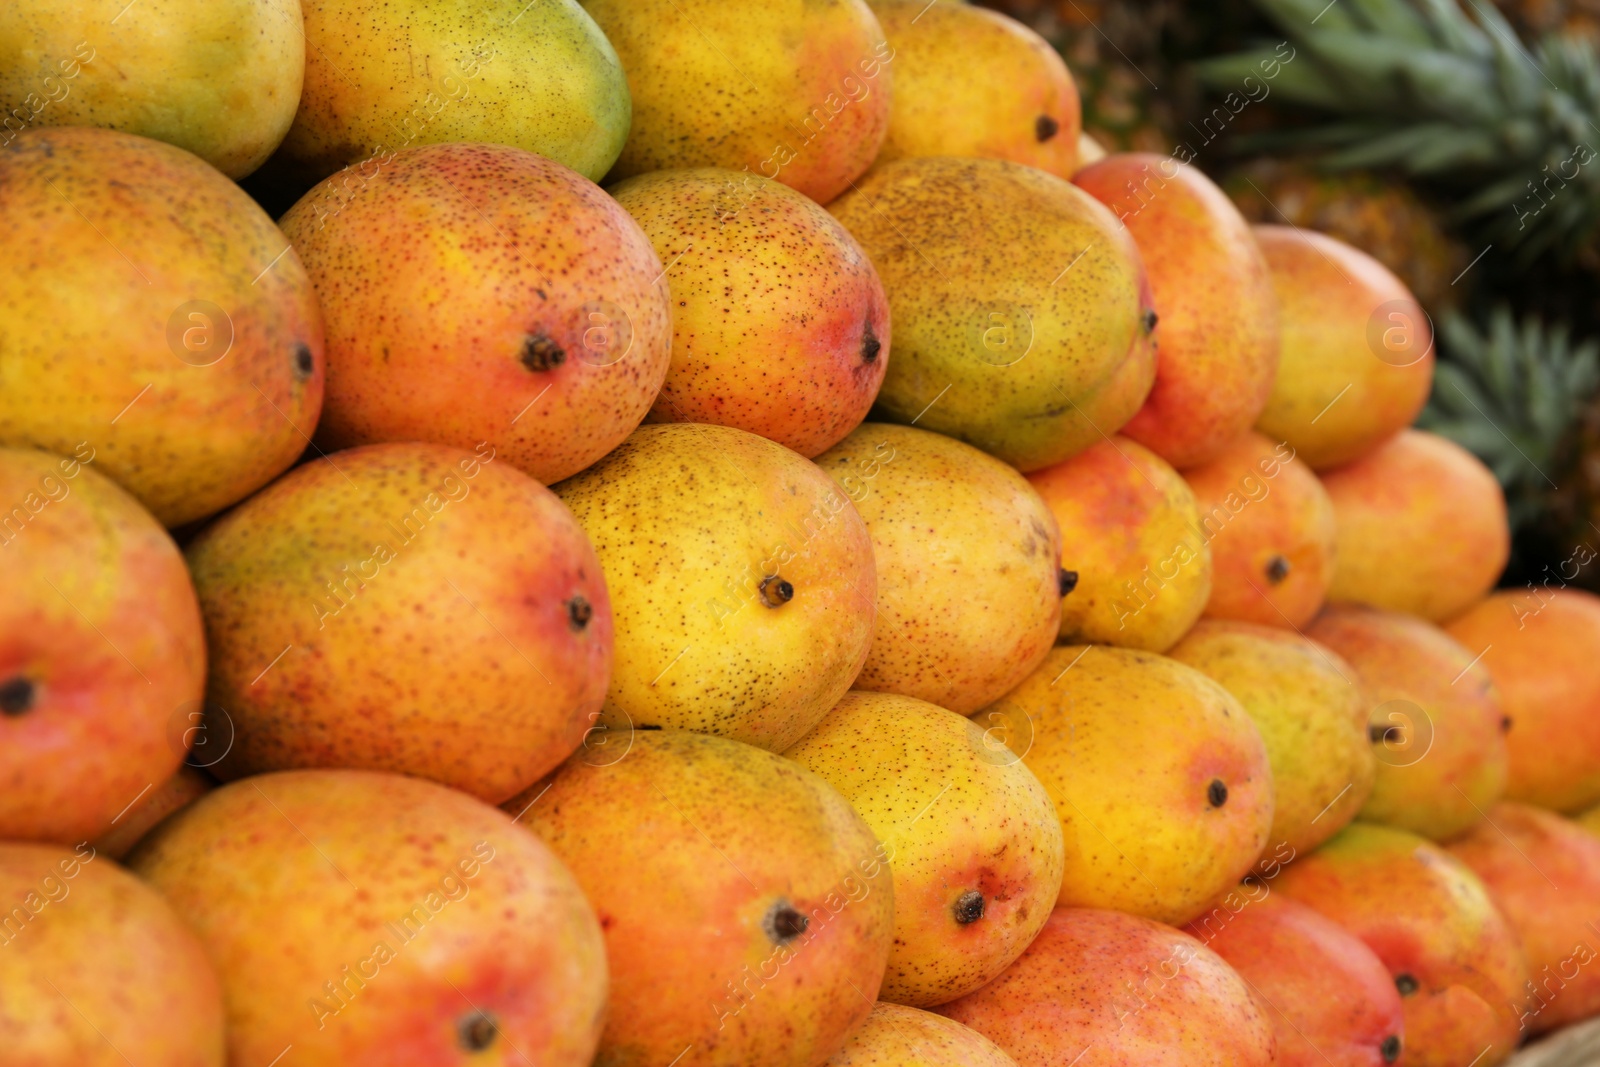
{"x":1271,"y":529}
{"x":1331,"y":1002}
{"x":99,"y":971}
{"x":795,"y":92}
{"x":170,"y":328}
{"x":1138,"y":570}
{"x":897,"y":1036}
{"x":748,"y":910}
{"x":971,"y":82}
{"x":1105,"y":989}
{"x":404,"y":607}
{"x":372,"y":919}
{"x":968,"y":563}
{"x":1455,"y":960}
{"x":528,"y":311}
{"x":1031,"y":357}
{"x":1543,"y":872}
{"x":779,"y":322}
{"x":973,"y":840}
{"x":1159,"y":777}
{"x":1434,"y":717}
{"x":1422,"y":527}
{"x":101,"y":647}
{"x":130,"y":826}
{"x":1210,"y":285}
{"x":1542,"y":648}
{"x":1312,"y":713}
{"x":1356,"y":360}
{"x":742,"y":583}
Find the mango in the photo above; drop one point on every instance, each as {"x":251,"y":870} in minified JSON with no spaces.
{"x":220,"y":79}
{"x":420,"y":72}
{"x":1422,"y":527}
{"x":1542,"y":648}
{"x":974,"y":844}
{"x":1272,"y":533}
{"x":99,"y":972}
{"x":408,"y":608}
{"x":1211,"y":287}
{"x":1140,"y":573}
{"x":370,"y":919}
{"x":1031,"y":358}
{"x":1159,"y":778}
{"x":170,"y":328}
{"x":968,"y":562}
{"x":548,"y":331}
{"x":742,"y":583}
{"x":1543,"y":872}
{"x":969,"y":81}
{"x":779,"y":323}
{"x":1434,"y":716}
{"x":896,"y":1036}
{"x":798,"y":93}
{"x":747,"y":909}
{"x":128,"y":828}
{"x":1105,"y":989}
{"x":1356,"y":360}
{"x":1330,"y":999}
{"x":1311,"y":711}
{"x":100,"y":645}
{"x":1454,"y":959}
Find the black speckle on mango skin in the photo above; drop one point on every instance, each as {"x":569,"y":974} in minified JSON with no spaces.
{"x":1045,"y":127}
{"x":17,"y":696}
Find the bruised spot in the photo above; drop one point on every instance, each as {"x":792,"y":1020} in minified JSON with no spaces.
{"x":579,"y":612}
{"x":1068,"y":581}
{"x":969,"y":907}
{"x":541,"y":353}
{"x":1045,"y":127}
{"x":1406,"y":984}
{"x":783,"y":923}
{"x":1277,"y":570}
{"x":1378,"y":732}
{"x":1390,"y":1049}
{"x":870,"y":346}
{"x":1149,"y":321}
{"x":1217,"y":793}
{"x":17,"y":696}
{"x":477,"y":1031}
{"x":776,"y":592}
{"x":304,"y":363}
{"x":1505,"y":724}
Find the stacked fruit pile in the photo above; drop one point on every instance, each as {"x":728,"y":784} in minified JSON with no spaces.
{"x":472,"y":620}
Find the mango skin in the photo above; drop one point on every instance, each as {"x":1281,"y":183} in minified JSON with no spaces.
{"x":797,"y":92}
{"x":100,"y":644}
{"x":960,"y":814}
{"x":1272,"y":533}
{"x":897,"y":1036}
{"x":1312,"y":714}
{"x":698,"y":528}
{"x":1335,"y":398}
{"x":415,"y":72}
{"x":1105,"y":989}
{"x":529,"y":311}
{"x":220,"y":79}
{"x":1428,"y":917}
{"x":1129,"y":527}
{"x":307,"y":886}
{"x":1436,"y":721}
{"x":423,"y":610}
{"x":779,"y":322}
{"x":1542,"y":648}
{"x":702,"y":855}
{"x":1131,"y":747}
{"x":1331,"y":1001}
{"x":968,"y":565}
{"x":1211,"y":287}
{"x":100,"y":972}
{"x":116,"y":352}
{"x":1031,"y":358}
{"x":182,"y":789}
{"x":1543,"y":873}
{"x":972,"y":82}
{"x":1422,"y":527}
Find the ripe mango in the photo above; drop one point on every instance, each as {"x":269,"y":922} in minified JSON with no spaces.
{"x":896,"y":1036}
{"x":1422,"y":527}
{"x":168,"y":325}
{"x":747,"y":909}
{"x":968,"y":557}
{"x":779,"y":322}
{"x":1159,"y":777}
{"x":528,"y":312}
{"x":1031,"y":358}
{"x":742,"y":583}
{"x":973,"y":840}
